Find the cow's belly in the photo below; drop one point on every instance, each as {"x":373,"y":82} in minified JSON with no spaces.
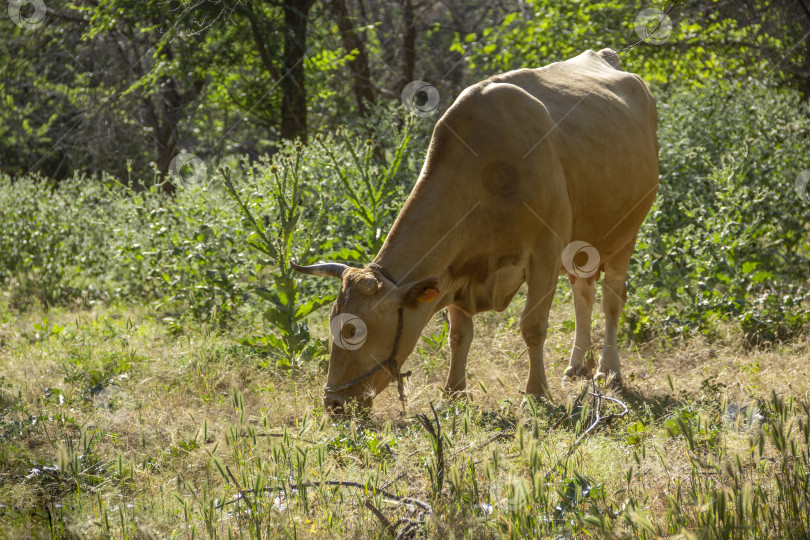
{"x":494,"y":293}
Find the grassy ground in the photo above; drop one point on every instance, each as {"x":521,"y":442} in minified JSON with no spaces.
{"x":115,"y":424}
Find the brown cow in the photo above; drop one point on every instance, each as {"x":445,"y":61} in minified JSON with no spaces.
{"x":528,"y":175}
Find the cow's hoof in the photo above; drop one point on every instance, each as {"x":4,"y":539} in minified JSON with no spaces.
{"x":611,"y":379}
{"x":575,"y":372}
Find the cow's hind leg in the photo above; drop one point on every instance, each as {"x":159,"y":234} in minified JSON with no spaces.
{"x":461,"y":334}
{"x":534,"y":327}
{"x":614,"y":294}
{"x":582,"y":289}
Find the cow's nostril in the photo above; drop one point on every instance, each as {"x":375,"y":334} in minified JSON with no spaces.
{"x":333,"y":405}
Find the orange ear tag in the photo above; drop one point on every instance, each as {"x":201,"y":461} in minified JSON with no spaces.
{"x":428,"y":295}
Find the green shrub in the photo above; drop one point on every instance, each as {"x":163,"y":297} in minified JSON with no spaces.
{"x":728,"y":238}
{"x":87,"y":240}
{"x":280,"y":236}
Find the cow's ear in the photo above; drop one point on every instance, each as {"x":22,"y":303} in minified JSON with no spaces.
{"x":426,"y":290}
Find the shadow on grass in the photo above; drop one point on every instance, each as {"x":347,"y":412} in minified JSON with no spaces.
{"x":655,"y":405}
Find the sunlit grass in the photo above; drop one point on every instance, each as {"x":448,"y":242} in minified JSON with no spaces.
{"x":117,"y":425}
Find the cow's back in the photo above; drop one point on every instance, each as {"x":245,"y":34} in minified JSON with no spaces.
{"x":520,"y":165}
{"x":605,"y":137}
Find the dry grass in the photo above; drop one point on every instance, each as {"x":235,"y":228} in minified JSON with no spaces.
{"x":163,"y":399}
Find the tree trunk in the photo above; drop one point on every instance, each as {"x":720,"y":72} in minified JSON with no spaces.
{"x":361,"y":74}
{"x":293,"y":88}
{"x":408,"y":43}
{"x":166,"y":148}
{"x":164,"y":117}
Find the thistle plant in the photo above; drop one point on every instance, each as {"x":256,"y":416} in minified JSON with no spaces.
{"x":278,"y":237}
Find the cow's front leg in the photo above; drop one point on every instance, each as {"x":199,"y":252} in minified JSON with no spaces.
{"x":461,"y":334}
{"x":614,"y":294}
{"x":534,"y":327}
{"x":582,"y":289}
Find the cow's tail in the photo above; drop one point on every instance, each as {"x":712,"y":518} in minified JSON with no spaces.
{"x":611,"y":57}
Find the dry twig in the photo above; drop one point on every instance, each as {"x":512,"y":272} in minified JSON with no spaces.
{"x":598,"y":397}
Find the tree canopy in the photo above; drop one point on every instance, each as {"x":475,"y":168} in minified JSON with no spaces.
{"x":123,"y":86}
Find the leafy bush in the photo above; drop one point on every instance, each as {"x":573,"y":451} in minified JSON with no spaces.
{"x":279,"y":239}
{"x":54,"y":240}
{"x":88,"y":240}
{"x":186,"y":253}
{"x":368,"y":185}
{"x":728,"y":238}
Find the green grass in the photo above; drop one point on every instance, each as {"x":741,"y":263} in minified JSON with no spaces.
{"x":118,"y":425}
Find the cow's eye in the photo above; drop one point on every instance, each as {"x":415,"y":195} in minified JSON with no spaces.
{"x":348,"y":331}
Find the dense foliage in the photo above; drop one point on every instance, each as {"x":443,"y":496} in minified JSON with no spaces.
{"x":123,"y":86}
{"x":726,"y":240}
{"x":728,"y":236}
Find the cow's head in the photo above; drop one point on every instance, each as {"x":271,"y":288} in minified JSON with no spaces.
{"x":375,"y":325}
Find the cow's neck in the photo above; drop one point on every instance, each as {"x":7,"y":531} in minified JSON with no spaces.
{"x":426,"y":237}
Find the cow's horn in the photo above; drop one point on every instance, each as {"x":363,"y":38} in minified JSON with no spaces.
{"x":321,"y":269}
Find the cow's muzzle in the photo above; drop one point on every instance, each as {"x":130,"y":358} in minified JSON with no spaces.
{"x":334,"y":403}
{"x":337,"y":403}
